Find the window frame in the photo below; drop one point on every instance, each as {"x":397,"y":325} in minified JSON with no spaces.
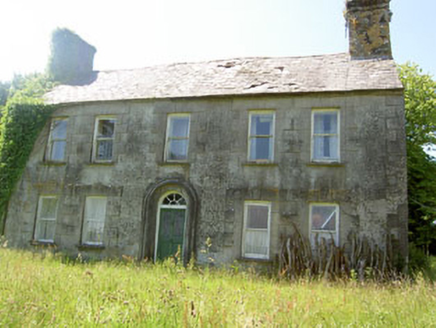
{"x":168,"y":138}
{"x":271,"y":136}
{"x":335,"y":233}
{"x":312,"y":136}
{"x":38,"y":218}
{"x":96,"y":139}
{"x":85,"y":223}
{"x":255,"y":256}
{"x":51,"y":140}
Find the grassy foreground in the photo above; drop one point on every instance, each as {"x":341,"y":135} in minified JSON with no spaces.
{"x":44,"y":291}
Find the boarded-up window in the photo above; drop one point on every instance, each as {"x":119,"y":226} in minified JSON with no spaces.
{"x":46,"y":219}
{"x":93,"y":223}
{"x":256,"y":230}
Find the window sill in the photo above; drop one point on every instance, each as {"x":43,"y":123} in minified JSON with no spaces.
{"x":182,"y":163}
{"x":325,"y":164}
{"x":83,"y":247}
{"x":253,"y":163}
{"x":42,"y":243}
{"x":54,"y":163}
{"x":257,"y":260}
{"x":101,"y":164}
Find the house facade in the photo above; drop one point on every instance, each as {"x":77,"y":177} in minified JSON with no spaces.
{"x":221,"y":159}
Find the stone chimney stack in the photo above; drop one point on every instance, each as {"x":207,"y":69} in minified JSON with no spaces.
{"x":368,"y":25}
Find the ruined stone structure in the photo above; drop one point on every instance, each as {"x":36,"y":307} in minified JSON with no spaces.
{"x":150,"y":161}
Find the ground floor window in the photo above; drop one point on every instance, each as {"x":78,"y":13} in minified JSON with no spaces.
{"x":324,"y":222}
{"x":46,"y":219}
{"x":94,"y":219}
{"x":256,"y":233}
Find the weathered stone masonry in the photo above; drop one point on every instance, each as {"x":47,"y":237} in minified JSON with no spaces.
{"x":369,"y":184}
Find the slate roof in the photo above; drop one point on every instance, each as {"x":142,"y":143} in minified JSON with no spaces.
{"x":241,"y":76}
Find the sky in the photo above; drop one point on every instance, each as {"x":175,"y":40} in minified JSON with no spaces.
{"x":138,"y":33}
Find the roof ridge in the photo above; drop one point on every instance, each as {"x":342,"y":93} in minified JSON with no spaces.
{"x":217,"y":61}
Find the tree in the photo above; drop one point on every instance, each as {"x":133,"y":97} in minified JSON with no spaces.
{"x":420,"y":106}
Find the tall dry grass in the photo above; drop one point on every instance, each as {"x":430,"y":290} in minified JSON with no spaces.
{"x":45,"y":290}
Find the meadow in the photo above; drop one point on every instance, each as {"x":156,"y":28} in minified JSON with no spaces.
{"x":46,"y":290}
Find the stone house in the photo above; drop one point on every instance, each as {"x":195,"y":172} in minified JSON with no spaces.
{"x":148,"y":161}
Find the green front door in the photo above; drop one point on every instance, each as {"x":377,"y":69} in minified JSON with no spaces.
{"x":171,"y":232}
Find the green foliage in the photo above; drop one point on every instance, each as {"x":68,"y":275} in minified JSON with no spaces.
{"x":420,"y":105}
{"x":27,"y":88}
{"x":419,"y":262}
{"x":46,"y":291}
{"x":22,"y":119}
{"x":21,"y":124}
{"x":4,"y":92}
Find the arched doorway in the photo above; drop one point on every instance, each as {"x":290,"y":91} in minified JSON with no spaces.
{"x":164,"y":203}
{"x":171,"y":226}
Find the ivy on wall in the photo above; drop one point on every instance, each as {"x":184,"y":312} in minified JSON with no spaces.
{"x":22,"y":120}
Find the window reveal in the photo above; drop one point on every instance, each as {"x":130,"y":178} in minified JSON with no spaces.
{"x":57,"y":140}
{"x":261,"y":137}
{"x":94,"y":219}
{"x":325,"y":136}
{"x":46,"y":219}
{"x":256,"y":230}
{"x":177,"y":137}
{"x":104,"y":139}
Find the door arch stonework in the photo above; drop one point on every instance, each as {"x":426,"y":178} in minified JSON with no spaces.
{"x":153,"y":195}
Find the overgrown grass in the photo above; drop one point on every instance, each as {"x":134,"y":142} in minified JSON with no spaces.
{"x":48,"y":291}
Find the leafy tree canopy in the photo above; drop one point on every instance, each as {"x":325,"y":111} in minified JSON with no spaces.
{"x":420,"y":105}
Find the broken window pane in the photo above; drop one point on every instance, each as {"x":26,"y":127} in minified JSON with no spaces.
{"x":324,"y":217}
{"x":106,"y":128}
{"x":104,"y":139}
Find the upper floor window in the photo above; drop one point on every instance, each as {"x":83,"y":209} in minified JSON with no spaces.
{"x":104,"y":139}
{"x":261,"y":136}
{"x":325,"y":135}
{"x":256,"y":233}
{"x":324,"y":222}
{"x":177,"y":141}
{"x":46,"y":219}
{"x":57,"y":140}
{"x":94,"y":219}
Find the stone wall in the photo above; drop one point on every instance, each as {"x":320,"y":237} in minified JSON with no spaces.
{"x":368,"y":25}
{"x":369,"y":184}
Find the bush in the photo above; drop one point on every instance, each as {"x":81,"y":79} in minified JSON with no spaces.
{"x":418,"y":261}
